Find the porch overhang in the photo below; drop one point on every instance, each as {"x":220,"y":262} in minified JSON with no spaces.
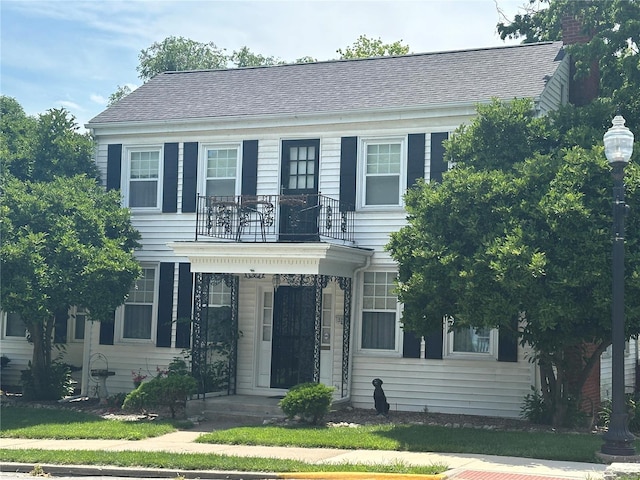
{"x":272,"y":258}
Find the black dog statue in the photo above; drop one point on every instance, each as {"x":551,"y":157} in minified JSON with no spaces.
{"x":379,"y":398}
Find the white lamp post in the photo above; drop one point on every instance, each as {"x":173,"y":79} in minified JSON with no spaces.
{"x":618,"y":147}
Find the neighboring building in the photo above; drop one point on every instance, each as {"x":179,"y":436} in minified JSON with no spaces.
{"x":265,"y":197}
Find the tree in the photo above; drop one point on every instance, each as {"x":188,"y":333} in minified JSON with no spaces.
{"x":365,"y":47}
{"x":179,"y":54}
{"x":42,"y":148}
{"x":121,"y":92}
{"x":613,"y":32}
{"x":524,"y":237}
{"x":64,"y":240}
{"x":246,"y":58}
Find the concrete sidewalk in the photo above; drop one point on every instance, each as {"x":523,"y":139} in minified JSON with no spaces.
{"x":463,"y":467}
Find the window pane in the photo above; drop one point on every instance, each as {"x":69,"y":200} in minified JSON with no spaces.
{"x":378,"y":330}
{"x":78,"y":332}
{"x":143,"y":194}
{"x":15,"y":325}
{"x":221,"y":188}
{"x":137,"y":321}
{"x":471,"y":340}
{"x":383,"y":190}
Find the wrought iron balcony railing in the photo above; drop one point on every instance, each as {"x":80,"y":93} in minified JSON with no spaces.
{"x":274,"y":218}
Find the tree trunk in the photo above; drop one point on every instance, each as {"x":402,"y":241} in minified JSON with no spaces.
{"x":41,"y":334}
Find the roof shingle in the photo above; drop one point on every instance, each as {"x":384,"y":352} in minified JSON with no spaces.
{"x":427,"y":79}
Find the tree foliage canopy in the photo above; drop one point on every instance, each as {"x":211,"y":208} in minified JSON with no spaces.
{"x":521,"y":228}
{"x":64,"y":240}
{"x":613,"y":30}
{"x":178,"y":54}
{"x":365,"y":47}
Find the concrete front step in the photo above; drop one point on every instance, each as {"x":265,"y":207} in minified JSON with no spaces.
{"x":242,"y":409}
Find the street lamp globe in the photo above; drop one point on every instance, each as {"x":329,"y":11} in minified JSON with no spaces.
{"x":618,"y":141}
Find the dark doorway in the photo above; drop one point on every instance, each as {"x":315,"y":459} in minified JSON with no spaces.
{"x":299,"y":187}
{"x":293,"y":336}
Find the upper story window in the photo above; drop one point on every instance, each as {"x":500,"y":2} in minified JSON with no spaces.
{"x":144,"y":172}
{"x":383,"y":172}
{"x":137,"y":321}
{"x":221,"y":170}
{"x":379,"y":311}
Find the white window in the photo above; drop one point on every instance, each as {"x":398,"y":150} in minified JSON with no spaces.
{"x":144,"y":188}
{"x":472,"y":341}
{"x":14,"y":326}
{"x":379,"y":311}
{"x":221,"y":170}
{"x":383,"y":165}
{"x":137,"y":322}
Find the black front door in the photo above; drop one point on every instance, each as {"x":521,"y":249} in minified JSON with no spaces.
{"x":293,"y":336}
{"x":299,"y":190}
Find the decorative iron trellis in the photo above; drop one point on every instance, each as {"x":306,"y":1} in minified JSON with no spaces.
{"x":200,"y":347}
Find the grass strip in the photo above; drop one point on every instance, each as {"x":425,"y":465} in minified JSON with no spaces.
{"x":61,"y":424}
{"x":419,"y":438}
{"x":199,"y":461}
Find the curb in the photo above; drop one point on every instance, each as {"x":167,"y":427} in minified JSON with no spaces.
{"x":133,"y":472}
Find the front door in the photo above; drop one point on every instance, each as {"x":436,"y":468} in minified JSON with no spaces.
{"x":293,"y":336}
{"x":299,"y":188}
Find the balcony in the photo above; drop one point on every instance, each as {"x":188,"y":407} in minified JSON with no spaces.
{"x":274,"y":218}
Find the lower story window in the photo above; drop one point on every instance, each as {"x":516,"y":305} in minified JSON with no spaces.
{"x":379,"y":311}
{"x":471,"y":340}
{"x":15,"y":326}
{"x":138,"y":308}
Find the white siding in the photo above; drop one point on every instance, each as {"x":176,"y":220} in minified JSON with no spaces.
{"x":630,"y":361}
{"x":556,"y":92}
{"x":445,"y":386}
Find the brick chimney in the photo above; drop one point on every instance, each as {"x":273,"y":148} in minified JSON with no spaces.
{"x":581,"y":91}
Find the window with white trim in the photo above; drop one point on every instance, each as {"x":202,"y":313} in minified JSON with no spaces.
{"x":379,"y":311}
{"x":221,"y":165}
{"x":137,"y":321}
{"x":383,"y":165}
{"x":14,"y":326}
{"x":144,"y":169}
{"x":472,"y":341}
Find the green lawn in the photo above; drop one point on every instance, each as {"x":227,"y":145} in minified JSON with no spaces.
{"x":420,"y":438}
{"x":25,"y":422}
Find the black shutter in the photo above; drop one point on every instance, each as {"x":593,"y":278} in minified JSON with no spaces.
{"x":60,"y":321}
{"x":185,"y":288}
{"x":189,"y":176}
{"x":170,"y":178}
{"x":438,"y":165}
{"x":106,"y":331}
{"x":508,"y":342}
{"x":114,"y":166}
{"x":415,"y":158}
{"x":433,"y":344}
{"x":348,"y":166}
{"x":249,"y":167}
{"x":410,"y":345}
{"x":165,"y":305}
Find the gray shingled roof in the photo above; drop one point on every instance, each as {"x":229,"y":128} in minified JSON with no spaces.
{"x":343,"y":85}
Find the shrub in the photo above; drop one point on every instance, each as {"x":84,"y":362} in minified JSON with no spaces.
{"x":170,"y":391}
{"x":536,"y":410}
{"x":633,"y":409}
{"x":59,"y":383}
{"x":309,"y":401}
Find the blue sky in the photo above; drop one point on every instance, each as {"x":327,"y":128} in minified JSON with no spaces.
{"x":74,"y":53}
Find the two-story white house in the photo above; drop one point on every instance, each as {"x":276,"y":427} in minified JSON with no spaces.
{"x":265,"y":197}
